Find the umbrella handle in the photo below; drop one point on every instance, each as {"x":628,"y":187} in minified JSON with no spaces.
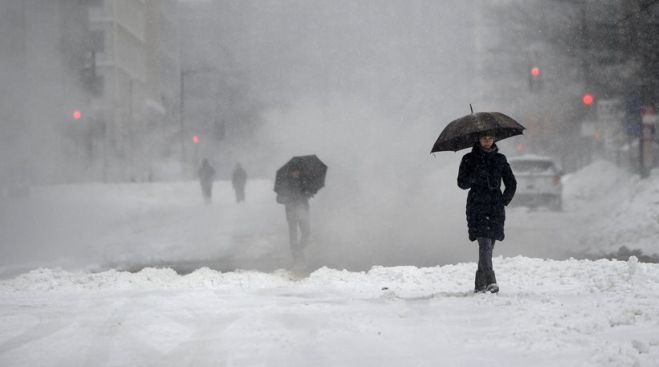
{"x":471,"y":108}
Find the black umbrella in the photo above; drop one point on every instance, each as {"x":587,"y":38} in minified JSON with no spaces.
{"x":463,"y":132}
{"x":312,"y":174}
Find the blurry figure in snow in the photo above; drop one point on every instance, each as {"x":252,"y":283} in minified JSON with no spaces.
{"x":481,"y":171}
{"x":296,"y":200}
{"x":238,"y":180}
{"x":206,"y":174}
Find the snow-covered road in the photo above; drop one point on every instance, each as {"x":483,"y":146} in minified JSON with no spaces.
{"x":130,"y":226}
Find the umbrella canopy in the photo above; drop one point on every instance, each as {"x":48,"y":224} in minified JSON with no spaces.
{"x":463,"y":132}
{"x":312,"y":174}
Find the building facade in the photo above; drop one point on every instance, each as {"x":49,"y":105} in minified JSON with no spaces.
{"x":135,"y":60}
{"x":89,"y":88}
{"x":41,"y":84}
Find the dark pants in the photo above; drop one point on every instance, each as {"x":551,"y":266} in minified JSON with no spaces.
{"x":485,"y":273}
{"x":297,"y":216}
{"x":240,"y":193}
{"x":207,"y":190}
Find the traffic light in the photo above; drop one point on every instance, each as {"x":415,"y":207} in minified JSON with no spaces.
{"x":535,"y":79}
{"x":587,"y":99}
{"x":195,"y":139}
{"x":77,"y":115}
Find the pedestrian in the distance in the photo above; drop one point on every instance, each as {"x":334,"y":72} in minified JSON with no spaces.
{"x":296,"y":201}
{"x":206,"y":174}
{"x":482,"y":171}
{"x":239,"y":180}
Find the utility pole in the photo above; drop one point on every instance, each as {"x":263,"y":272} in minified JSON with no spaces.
{"x":182,"y":113}
{"x":589,"y":121}
{"x":183,"y":75}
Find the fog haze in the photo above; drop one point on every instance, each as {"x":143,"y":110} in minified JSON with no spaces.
{"x":368,"y":89}
{"x":366,"y":86}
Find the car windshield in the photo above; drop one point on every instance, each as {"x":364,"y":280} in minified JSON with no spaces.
{"x":533,"y":166}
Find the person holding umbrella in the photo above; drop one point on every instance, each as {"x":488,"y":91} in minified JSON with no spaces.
{"x":296,"y":182}
{"x":481,"y":172}
{"x":296,"y":201}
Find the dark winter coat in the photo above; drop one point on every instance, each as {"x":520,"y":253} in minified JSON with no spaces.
{"x":293,"y":193}
{"x":239,"y":177}
{"x":482,"y":172}
{"x":206,"y":173}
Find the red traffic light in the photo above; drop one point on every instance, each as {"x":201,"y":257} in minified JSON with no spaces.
{"x":535,"y":71}
{"x":77,"y":115}
{"x":588,"y":99}
{"x":195,"y":139}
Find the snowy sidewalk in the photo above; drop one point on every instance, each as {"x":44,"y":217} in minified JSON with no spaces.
{"x":549,"y":313}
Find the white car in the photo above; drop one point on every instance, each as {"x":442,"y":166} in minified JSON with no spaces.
{"x":538,"y":182}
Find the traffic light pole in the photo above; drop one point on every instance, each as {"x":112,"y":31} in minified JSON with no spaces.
{"x":183,"y":74}
{"x":181,"y":116}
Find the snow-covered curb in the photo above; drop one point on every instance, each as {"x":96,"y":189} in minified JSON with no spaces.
{"x":516,"y":275}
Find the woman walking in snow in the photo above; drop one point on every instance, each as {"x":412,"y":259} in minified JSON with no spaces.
{"x":481,"y":171}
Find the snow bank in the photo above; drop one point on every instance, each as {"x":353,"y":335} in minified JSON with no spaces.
{"x":517,"y":275}
{"x":619,"y":210}
{"x":548,"y":313}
